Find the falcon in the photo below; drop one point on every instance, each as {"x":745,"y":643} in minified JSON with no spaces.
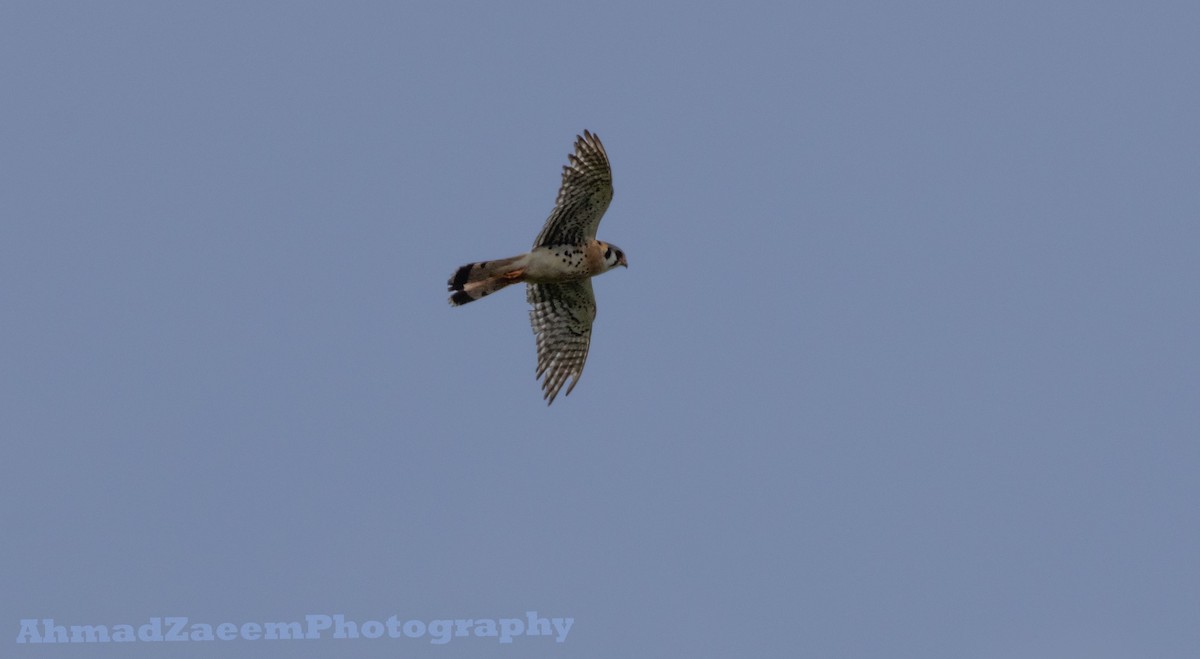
{"x":558,"y":270}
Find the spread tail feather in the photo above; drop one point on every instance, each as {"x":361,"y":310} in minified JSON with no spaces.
{"x":475,"y":280}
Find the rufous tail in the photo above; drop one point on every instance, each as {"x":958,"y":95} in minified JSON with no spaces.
{"x":476,"y":280}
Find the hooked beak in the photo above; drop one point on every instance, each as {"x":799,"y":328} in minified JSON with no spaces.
{"x":623,"y":262}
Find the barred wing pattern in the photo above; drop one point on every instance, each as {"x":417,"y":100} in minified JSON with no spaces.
{"x":561,"y":316}
{"x":583,"y":197}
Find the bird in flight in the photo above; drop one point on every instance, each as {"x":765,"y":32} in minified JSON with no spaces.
{"x":558,"y":270}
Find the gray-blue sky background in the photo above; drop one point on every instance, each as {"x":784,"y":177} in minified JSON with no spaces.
{"x":904,"y":363}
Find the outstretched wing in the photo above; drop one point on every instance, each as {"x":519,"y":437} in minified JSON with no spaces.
{"x":584,"y":196}
{"x":561,"y":316}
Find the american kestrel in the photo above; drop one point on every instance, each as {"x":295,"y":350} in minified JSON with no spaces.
{"x":558,"y":271}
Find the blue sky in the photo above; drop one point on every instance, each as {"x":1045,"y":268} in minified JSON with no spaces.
{"x":904,"y":363}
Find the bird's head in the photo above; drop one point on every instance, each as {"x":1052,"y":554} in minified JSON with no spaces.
{"x":613,"y":256}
